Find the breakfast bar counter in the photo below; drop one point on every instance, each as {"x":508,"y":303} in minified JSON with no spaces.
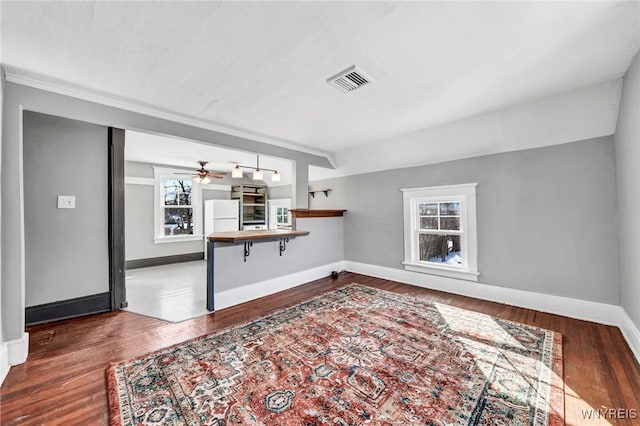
{"x":247,"y":238}
{"x":262,"y":234}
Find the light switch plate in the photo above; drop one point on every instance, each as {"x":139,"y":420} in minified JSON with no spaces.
{"x":66,"y":201}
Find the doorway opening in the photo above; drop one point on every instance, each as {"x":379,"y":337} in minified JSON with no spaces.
{"x":171,"y":205}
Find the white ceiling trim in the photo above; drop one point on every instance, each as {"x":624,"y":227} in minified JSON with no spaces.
{"x":91,"y":96}
{"x":134,"y":180}
{"x":582,"y":114}
{"x":216,"y":187}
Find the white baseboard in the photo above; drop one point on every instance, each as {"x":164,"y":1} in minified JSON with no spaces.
{"x":630,"y":333}
{"x":18,"y":349}
{"x":4,"y":362}
{"x":264,"y":288}
{"x":574,"y":308}
{"x":13,"y":352}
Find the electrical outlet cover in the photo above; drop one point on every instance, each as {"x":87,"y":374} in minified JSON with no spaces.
{"x":66,"y":201}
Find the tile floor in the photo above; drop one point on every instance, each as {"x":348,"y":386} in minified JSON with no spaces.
{"x":173,"y":293}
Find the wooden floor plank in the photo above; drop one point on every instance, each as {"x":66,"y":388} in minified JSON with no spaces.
{"x":63,"y":383}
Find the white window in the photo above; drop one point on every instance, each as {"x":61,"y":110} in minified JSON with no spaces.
{"x":279,"y":216}
{"x":177,"y":207}
{"x":440,"y":231}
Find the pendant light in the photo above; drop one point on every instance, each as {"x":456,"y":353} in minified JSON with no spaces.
{"x":236,"y":172}
{"x":258,"y":173}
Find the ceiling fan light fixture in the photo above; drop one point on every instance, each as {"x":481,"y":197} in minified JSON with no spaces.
{"x":197,"y":179}
{"x":275,"y":176}
{"x":236,"y":172}
{"x":206,"y":180}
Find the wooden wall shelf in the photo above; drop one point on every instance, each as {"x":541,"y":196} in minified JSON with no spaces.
{"x":300,"y":213}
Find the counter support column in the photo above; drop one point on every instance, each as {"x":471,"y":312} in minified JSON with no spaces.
{"x":210,"y":294}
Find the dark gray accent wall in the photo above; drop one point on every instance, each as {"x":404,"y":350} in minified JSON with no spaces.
{"x":546,"y":217}
{"x":66,"y":250}
{"x":627,"y":140}
{"x":117,"y":278}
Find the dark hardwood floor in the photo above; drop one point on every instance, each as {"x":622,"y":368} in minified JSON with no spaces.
{"x":63,"y":380}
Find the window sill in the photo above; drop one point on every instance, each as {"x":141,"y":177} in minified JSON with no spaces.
{"x":178,"y":239}
{"x":445,"y":272}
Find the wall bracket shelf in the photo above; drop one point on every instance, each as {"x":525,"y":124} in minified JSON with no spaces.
{"x":324,"y":191}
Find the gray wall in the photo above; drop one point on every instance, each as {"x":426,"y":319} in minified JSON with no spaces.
{"x":627,"y":141}
{"x":66,"y":250}
{"x":323,"y":245}
{"x":139,"y":212}
{"x":139,"y":217}
{"x":334,"y":199}
{"x":281,"y":191}
{"x":18,"y":98}
{"x":1,"y":282}
{"x":546,"y":217}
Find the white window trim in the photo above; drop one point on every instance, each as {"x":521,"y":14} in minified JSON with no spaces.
{"x":466,"y":193}
{"x":273,"y":205}
{"x":159,"y":175}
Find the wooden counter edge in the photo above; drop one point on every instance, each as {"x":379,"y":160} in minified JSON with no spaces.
{"x":263,"y":234}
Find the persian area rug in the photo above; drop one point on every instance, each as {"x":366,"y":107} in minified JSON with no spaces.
{"x":354,"y":356}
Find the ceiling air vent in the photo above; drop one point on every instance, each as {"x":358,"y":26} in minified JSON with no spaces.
{"x":350,"y":79}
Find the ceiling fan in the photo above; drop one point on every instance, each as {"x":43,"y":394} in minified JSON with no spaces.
{"x":203,"y":175}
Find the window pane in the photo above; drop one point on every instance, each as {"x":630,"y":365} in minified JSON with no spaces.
{"x":443,"y":249}
{"x":429,"y":222}
{"x":170,"y":192}
{"x":428,"y":209}
{"x":450,"y":209}
{"x":178,"y":221}
{"x":184,"y":198}
{"x":450,"y":223}
{"x":177,"y":192}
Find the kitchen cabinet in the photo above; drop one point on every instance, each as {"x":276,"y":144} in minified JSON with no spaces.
{"x":253,"y":205}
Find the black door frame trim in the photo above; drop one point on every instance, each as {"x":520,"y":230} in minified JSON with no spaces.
{"x":117,"y":288}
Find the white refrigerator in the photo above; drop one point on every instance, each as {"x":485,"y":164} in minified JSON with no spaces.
{"x":220,"y":216}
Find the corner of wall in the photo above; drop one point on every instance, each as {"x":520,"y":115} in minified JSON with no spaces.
{"x":13,"y":352}
{"x":630,"y":332}
{"x":627,"y":150}
{"x":4,"y":362}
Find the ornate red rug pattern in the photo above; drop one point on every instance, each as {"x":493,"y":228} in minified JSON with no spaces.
{"x":354,"y":356}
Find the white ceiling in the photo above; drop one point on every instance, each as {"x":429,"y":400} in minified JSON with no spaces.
{"x":262,"y":66}
{"x":158,"y":149}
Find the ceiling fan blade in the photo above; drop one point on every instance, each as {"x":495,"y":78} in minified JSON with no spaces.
{"x":216,"y":175}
